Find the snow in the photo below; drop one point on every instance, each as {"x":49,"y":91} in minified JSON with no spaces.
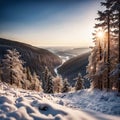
{"x":18,"y":104}
{"x":95,"y":100}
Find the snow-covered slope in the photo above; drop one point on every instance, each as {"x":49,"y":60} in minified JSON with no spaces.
{"x":17,"y":104}
{"x":95,"y":100}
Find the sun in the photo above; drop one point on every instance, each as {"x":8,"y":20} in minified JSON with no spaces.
{"x":100,"y":34}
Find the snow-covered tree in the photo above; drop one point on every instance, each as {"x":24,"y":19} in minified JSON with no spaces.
{"x":102,"y":63}
{"x":66,"y":86}
{"x":12,"y":68}
{"x":47,"y":79}
{"x":79,"y":82}
{"x":36,"y":83}
{"x":28,"y":74}
{"x":32,"y":82}
{"x":58,"y":84}
{"x":116,"y":23}
{"x":49,"y":84}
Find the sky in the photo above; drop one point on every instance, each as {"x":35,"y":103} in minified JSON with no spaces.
{"x":49,"y":22}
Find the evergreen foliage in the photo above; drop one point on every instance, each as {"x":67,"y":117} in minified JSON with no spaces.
{"x":45,"y":78}
{"x":12,"y":68}
{"x":58,"y":84}
{"x":105,"y":55}
{"x":15,"y":74}
{"x":79,"y":82}
{"x":66,"y":86}
{"x":47,"y":81}
{"x":36,"y":83}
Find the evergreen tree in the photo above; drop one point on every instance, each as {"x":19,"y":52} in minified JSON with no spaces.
{"x":101,"y":61}
{"x":47,"y":79}
{"x":32,"y":82}
{"x":49,"y":85}
{"x":12,"y":68}
{"x":116,"y":24}
{"x":58,"y":84}
{"x":37,"y":85}
{"x":28,"y":74}
{"x":66,"y":86}
{"x":108,"y":4}
{"x":79,"y":82}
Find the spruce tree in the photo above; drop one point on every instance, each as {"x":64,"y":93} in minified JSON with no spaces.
{"x":36,"y":83}
{"x":47,"y":79}
{"x":49,"y":84}
{"x":28,"y":74}
{"x":12,"y":68}
{"x":66,"y":86}
{"x":58,"y":84}
{"x":116,"y":24}
{"x":79,"y":82}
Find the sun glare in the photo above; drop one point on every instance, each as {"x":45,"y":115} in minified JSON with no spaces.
{"x":100,"y":34}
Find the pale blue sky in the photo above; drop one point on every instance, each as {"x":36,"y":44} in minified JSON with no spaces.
{"x":49,"y":22}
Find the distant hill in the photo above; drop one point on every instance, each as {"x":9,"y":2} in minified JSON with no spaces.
{"x":35,"y":58}
{"x":72,"y":67}
{"x":73,"y":52}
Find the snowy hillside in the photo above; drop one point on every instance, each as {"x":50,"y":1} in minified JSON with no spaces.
{"x":17,"y":104}
{"x":95,"y":100}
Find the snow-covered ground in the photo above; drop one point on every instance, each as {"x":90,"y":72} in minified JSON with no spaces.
{"x":17,"y":104}
{"x":95,"y":100}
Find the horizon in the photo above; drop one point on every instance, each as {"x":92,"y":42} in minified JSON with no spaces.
{"x":49,"y":22}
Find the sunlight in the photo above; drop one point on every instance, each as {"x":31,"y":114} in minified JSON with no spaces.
{"x":100,"y":34}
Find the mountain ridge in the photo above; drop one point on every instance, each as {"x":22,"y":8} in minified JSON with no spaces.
{"x":35,"y":58}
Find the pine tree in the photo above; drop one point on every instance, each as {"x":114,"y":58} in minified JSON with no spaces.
{"x":66,"y":86}
{"x":58,"y":84}
{"x":28,"y":74}
{"x":47,"y":79}
{"x":12,"y":68}
{"x":79,"y":82}
{"x":104,"y":73}
{"x":37,"y":85}
{"x":50,"y":88}
{"x":49,"y":85}
{"x":116,"y":25}
{"x":32,"y":82}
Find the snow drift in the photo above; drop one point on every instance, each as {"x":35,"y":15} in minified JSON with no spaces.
{"x":17,"y":104}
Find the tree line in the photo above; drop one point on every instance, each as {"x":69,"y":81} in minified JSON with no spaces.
{"x":104,"y":62}
{"x":13,"y":72}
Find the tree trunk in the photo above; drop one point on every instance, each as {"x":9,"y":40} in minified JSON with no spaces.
{"x":119,"y":55}
{"x":108,"y":56}
{"x":100,"y":51}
